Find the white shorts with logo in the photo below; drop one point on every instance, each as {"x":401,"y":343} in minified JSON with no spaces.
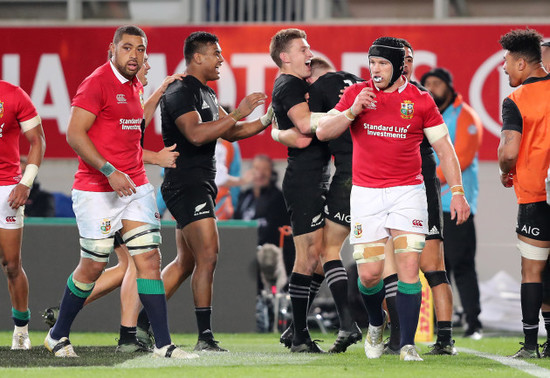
{"x":374,"y":211}
{"x":9,"y":218}
{"x":99,"y":214}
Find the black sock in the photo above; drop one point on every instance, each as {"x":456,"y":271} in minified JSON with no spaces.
{"x":531,"y":300}
{"x":408,"y":300}
{"x":299,"y":290}
{"x":143,"y":320}
{"x":127,"y":335}
{"x":314,"y":287}
{"x":546,"y":317}
{"x":204,"y":316}
{"x":337,"y":281}
{"x":444,"y":332}
{"x":70,"y":306}
{"x":373,"y":298}
{"x":390,"y":286}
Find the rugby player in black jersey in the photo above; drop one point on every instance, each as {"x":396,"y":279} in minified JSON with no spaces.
{"x":193,"y":120}
{"x":305,"y":184}
{"x":324,"y":93}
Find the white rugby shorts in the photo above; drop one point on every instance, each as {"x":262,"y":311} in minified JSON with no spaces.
{"x":99,"y":214}
{"x":9,"y":218}
{"x":376,"y":211}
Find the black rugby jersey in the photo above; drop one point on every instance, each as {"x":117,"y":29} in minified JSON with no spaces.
{"x":426,"y":150}
{"x":324,"y":94}
{"x":289,"y":91}
{"x":194,"y":162}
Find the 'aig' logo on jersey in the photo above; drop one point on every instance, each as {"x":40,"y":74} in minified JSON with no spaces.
{"x":407,"y":109}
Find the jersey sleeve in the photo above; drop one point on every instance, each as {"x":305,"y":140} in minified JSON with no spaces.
{"x":511,"y":116}
{"x":180,"y":100}
{"x":89,"y":96}
{"x":25,"y":107}
{"x":293,"y":93}
{"x":347,"y":99}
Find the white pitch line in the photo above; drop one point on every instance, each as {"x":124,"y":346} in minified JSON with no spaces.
{"x":515,"y":363}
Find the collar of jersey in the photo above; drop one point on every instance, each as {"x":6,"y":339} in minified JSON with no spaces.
{"x":120,"y":78}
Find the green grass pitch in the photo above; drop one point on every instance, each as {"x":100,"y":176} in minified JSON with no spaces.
{"x":253,"y":355}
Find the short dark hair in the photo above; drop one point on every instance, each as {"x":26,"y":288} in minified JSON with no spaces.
{"x":320,"y":63}
{"x":406,"y":43}
{"x":523,"y":43}
{"x":195,"y":42}
{"x":130,"y":30}
{"x":281,"y":40}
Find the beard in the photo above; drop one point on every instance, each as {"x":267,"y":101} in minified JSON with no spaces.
{"x":439,"y":101}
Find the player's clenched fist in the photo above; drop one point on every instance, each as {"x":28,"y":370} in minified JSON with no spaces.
{"x":365,"y":99}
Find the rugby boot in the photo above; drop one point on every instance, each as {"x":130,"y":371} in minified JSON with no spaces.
{"x":443,"y":349}
{"x":409,"y":353}
{"x":525,"y":352}
{"x":388,"y":348}
{"x":308,"y":346}
{"x":20,"y":339}
{"x":545,"y":350}
{"x":132,"y":347}
{"x":374,"y":342}
{"x":145,"y":337}
{"x":50,"y":315}
{"x":208,"y":345}
{"x":59,"y":348}
{"x":345,"y":339}
{"x":287,"y":336}
{"x":172,"y":351}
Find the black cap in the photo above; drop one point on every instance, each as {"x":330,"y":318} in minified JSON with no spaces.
{"x":440,"y":73}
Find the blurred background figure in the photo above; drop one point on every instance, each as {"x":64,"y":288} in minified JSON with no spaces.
{"x":264,"y":202}
{"x":459,"y":241}
{"x":228,"y":178}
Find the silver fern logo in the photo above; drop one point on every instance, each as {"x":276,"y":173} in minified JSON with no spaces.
{"x":199,"y":209}
{"x":317,"y":220}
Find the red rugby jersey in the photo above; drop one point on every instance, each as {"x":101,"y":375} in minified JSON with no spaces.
{"x":386,"y":139}
{"x":15,"y":107}
{"x":118,"y":106}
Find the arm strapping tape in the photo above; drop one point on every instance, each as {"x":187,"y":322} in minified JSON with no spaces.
{"x":436,"y":132}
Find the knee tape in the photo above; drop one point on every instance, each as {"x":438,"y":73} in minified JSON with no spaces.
{"x":97,"y":249}
{"x":368,"y":252}
{"x":142,"y":239}
{"x":531,"y":252}
{"x":436,"y":277}
{"x":409,"y":243}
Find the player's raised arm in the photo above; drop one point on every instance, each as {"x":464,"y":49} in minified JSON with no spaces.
{"x":243,"y":130}
{"x":336,"y":122}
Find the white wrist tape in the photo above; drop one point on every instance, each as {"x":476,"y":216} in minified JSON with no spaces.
{"x":30,"y":174}
{"x":267,"y":117}
{"x":314,"y":120}
{"x":275,"y":134}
